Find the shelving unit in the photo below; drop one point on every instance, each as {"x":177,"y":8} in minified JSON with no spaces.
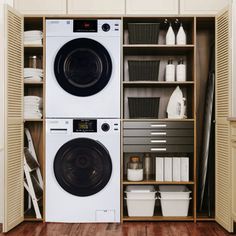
{"x":36,"y":126}
{"x":159,"y":88}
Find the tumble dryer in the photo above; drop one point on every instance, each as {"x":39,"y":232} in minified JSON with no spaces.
{"x":82,"y":170}
{"x":83,"y":68}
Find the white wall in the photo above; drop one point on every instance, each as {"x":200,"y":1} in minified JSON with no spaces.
{"x":9,"y":2}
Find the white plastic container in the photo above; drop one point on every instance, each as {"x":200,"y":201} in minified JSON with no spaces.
{"x":135,"y":174}
{"x":175,"y":207}
{"x":170,"y":71}
{"x":140,"y":192}
{"x":181,"y":71}
{"x":181,"y":36}
{"x":170,"y":36}
{"x":140,"y":207}
{"x":174,"y":192}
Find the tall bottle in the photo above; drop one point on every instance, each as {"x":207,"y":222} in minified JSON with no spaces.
{"x":170,"y":71}
{"x":170,"y":36}
{"x":181,"y":36}
{"x":181,"y":71}
{"x":148,"y":165}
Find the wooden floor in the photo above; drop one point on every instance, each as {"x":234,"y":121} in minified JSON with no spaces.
{"x":126,"y":229}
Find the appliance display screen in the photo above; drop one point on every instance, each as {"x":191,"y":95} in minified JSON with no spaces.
{"x":84,"y":126}
{"x":85,"y":26}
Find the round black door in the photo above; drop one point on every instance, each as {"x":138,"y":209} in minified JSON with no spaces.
{"x":82,"y":167}
{"x":83,"y":67}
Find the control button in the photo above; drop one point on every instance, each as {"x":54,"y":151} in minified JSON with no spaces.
{"x":105,"y":127}
{"x":106,"y":27}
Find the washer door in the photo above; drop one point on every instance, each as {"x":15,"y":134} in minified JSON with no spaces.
{"x":83,"y":67}
{"x":82,"y":167}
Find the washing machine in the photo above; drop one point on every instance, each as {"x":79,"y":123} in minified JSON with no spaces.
{"x":82,"y":170}
{"x":83,"y":68}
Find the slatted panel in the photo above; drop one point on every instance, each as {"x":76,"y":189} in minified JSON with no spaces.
{"x":223,"y":65}
{"x":15,"y":51}
{"x":13,"y":196}
{"x":223,"y":109}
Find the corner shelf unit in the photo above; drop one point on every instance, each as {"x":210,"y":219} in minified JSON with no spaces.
{"x":162,"y":89}
{"x":36,"y":126}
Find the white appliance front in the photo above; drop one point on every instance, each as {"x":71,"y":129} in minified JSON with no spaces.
{"x":82,"y":170}
{"x":83,"y":68}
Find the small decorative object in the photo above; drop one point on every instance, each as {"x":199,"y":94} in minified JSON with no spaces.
{"x":135,"y":169}
{"x":181,"y":71}
{"x":181,"y":36}
{"x":147,"y":160}
{"x":170,"y":71}
{"x":170,"y":36}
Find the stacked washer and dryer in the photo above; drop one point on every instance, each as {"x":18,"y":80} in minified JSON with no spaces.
{"x":83,"y":120}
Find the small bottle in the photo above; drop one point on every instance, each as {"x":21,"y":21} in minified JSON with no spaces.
{"x":148,"y":165}
{"x":170,"y":71}
{"x":181,"y":36}
{"x":170,"y":36}
{"x":181,"y":71}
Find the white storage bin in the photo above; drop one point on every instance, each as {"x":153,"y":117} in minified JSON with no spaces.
{"x":174,"y":191}
{"x":140,"y":192}
{"x":140,"y":207}
{"x":174,"y":207}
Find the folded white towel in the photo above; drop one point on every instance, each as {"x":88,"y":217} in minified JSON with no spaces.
{"x":33,"y":79}
{"x":32,"y":116}
{"x":33,"y":42}
{"x":32,"y":98}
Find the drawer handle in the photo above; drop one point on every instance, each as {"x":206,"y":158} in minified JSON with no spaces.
{"x":158,"y":125}
{"x":158,"y":133}
{"x":158,"y":149}
{"x":158,"y":141}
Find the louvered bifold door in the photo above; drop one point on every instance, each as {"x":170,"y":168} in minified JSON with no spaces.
{"x":13,"y":184}
{"x":223,"y":111}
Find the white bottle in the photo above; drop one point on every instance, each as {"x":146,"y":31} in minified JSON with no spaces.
{"x":170,"y":71}
{"x":181,"y":36}
{"x":181,"y":71}
{"x":170,"y":36}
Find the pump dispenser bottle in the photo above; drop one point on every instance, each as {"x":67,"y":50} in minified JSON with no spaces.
{"x":170,"y":36}
{"x":181,"y":36}
{"x":181,"y":71}
{"x":170,"y":71}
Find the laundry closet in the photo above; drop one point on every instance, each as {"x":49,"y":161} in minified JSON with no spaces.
{"x":121,"y":110}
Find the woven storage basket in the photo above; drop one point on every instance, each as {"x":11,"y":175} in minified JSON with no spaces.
{"x":143,"y":33}
{"x":143,"y":70}
{"x":143,"y":107}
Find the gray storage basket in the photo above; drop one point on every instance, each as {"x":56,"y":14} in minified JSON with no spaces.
{"x":143,"y":70}
{"x":143,"y":107}
{"x":143,"y":33}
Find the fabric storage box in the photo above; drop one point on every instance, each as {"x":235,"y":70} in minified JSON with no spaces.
{"x":175,"y":207}
{"x":174,"y":191}
{"x":140,"y":192}
{"x":140,"y":207}
{"x":143,"y":107}
{"x":143,"y":33}
{"x":143,"y":70}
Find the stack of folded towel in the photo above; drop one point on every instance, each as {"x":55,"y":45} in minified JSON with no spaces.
{"x":33,"y":75}
{"x":33,"y":37}
{"x":32,"y":107}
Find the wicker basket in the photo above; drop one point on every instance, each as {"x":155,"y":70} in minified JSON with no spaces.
{"x":143,"y":70}
{"x":143,"y":33}
{"x":143,"y":107}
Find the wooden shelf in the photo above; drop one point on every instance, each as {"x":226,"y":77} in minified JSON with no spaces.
{"x":126,"y":182}
{"x":156,"y":83}
{"x":147,"y":49}
{"x":34,"y":83}
{"x":158,"y":120}
{"x":30,"y":120}
{"x":158,"y":218}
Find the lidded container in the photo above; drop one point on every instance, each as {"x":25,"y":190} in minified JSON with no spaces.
{"x":33,"y":61}
{"x":134,"y":169}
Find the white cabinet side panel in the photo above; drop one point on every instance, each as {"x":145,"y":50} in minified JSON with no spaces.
{"x":40,"y":6}
{"x":87,"y":7}
{"x":202,"y":7}
{"x":152,"y":7}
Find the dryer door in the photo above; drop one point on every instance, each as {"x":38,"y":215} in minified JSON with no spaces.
{"x":82,"y":167}
{"x":83,"y":67}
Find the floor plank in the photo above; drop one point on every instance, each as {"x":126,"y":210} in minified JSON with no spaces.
{"x":125,"y":229}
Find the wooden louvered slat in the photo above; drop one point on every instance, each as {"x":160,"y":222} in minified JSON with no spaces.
{"x":13,"y":195}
